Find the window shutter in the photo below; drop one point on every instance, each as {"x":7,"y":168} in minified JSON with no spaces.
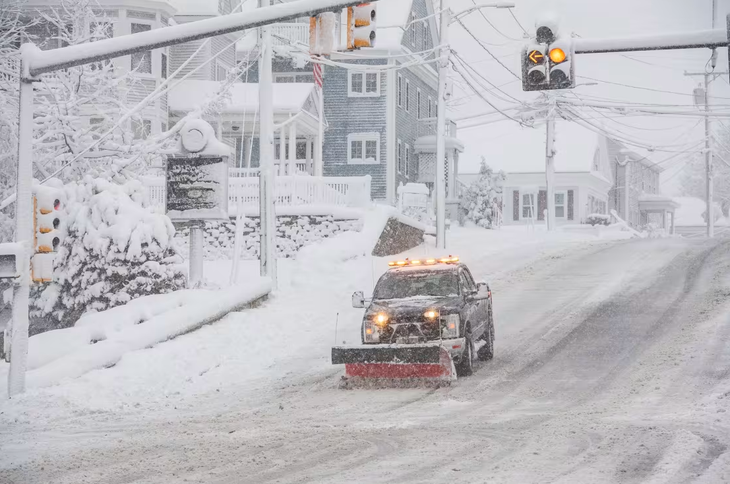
{"x":570,"y":204}
{"x":515,"y":205}
{"x":541,"y":204}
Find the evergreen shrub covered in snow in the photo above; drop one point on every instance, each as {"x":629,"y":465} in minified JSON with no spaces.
{"x":481,"y":195}
{"x":114,"y":250}
{"x":598,"y":219}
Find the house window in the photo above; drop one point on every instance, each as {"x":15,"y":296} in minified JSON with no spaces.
{"x":413,"y":29}
{"x":528,"y":205}
{"x":400,"y":157}
{"x":408,"y":160}
{"x":400,"y":91}
{"x":163,"y":66}
{"x":364,"y":84}
{"x":425,"y":35}
{"x":560,"y":201}
{"x":408,"y":95}
{"x":418,"y":103}
{"x":363,"y":148}
{"x":142,"y":60}
{"x":430,"y":107}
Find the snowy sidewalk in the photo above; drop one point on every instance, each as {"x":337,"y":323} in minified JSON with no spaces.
{"x":100,"y":340}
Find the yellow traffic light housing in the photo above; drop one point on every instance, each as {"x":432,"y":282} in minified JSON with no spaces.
{"x":361,"y":26}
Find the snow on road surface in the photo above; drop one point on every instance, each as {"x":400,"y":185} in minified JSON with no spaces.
{"x":612,"y":364}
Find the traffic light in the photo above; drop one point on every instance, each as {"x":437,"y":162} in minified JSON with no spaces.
{"x":560,"y":72}
{"x":361,"y":26}
{"x":322,"y":33}
{"x":48,"y":221}
{"x":547,"y":63}
{"x":534,"y":67}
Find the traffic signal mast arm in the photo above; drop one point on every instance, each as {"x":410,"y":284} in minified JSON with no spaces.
{"x":679,"y":40}
{"x":39,"y":62}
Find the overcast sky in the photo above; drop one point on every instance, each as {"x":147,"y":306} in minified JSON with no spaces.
{"x":508,"y":146}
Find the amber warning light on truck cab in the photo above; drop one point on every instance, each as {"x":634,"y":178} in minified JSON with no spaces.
{"x":428,"y":262}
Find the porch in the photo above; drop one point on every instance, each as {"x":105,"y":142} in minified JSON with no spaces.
{"x":658,"y":205}
{"x":237,"y":122}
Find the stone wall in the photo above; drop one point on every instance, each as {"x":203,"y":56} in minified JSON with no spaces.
{"x":292,"y":233}
{"x":397,"y":237}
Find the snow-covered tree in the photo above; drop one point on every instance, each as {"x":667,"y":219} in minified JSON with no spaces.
{"x":75,"y":107}
{"x":115,"y":250}
{"x":480,"y":196}
{"x":693,"y":180}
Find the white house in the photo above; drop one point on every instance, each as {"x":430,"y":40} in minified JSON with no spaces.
{"x":583,"y":179}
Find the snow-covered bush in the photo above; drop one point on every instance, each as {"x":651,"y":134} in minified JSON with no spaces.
{"x":115,"y":250}
{"x":598,"y":219}
{"x":653,"y":231}
{"x":480,"y":197}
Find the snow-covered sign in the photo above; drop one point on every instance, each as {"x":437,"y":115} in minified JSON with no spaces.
{"x":197,"y":188}
{"x":197,"y":178}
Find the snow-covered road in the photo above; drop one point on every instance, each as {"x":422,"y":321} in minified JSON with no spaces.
{"x":612,"y":365}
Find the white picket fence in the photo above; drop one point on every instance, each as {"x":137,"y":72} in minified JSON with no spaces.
{"x":290,"y":191}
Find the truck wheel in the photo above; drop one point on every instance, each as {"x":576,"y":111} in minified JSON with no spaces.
{"x":466,"y":365}
{"x":486,"y":352}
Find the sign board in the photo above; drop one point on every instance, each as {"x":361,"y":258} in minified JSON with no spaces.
{"x":197,"y":188}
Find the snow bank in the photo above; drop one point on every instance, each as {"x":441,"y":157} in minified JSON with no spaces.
{"x":119,"y":334}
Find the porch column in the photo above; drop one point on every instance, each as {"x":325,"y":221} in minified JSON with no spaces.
{"x":293,"y":148}
{"x":451,"y":193}
{"x":282,"y":151}
{"x":308,"y":141}
{"x":664,"y":219}
{"x":671,"y":230}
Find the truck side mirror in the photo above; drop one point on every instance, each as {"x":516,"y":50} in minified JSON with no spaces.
{"x":358,"y":300}
{"x":483,"y":291}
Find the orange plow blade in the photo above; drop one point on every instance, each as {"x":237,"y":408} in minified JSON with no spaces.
{"x":395,"y":365}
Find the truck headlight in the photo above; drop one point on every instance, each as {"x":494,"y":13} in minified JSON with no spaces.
{"x":371,"y":332}
{"x":450,"y":326}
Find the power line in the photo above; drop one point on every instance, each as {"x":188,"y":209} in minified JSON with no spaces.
{"x":484,"y":16}
{"x":487,"y":50}
{"x":645,"y":88}
{"x":476,"y":91}
{"x":518,"y":22}
{"x":494,"y":87}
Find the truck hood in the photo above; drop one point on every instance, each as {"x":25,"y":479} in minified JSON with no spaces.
{"x":413,"y":308}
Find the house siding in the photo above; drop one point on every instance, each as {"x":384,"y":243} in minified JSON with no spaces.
{"x":346,"y":115}
{"x":642,"y":179}
{"x":182,"y":52}
{"x":408,"y":128}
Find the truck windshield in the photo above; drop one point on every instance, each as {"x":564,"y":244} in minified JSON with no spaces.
{"x":398,"y":285}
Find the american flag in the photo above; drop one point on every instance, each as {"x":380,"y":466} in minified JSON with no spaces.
{"x":317,"y":69}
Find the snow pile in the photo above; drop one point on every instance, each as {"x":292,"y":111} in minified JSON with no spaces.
{"x":115,"y":250}
{"x":292,"y":233}
{"x":101,"y":341}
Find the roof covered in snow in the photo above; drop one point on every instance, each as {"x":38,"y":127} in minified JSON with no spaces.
{"x":288,"y":97}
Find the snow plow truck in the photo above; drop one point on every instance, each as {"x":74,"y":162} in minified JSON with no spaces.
{"x":425,"y":324}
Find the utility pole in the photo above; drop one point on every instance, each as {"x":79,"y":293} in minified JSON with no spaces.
{"x":267,"y":214}
{"x":709,"y":169}
{"x":23,"y":229}
{"x":550,"y":165}
{"x":444,"y":52}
